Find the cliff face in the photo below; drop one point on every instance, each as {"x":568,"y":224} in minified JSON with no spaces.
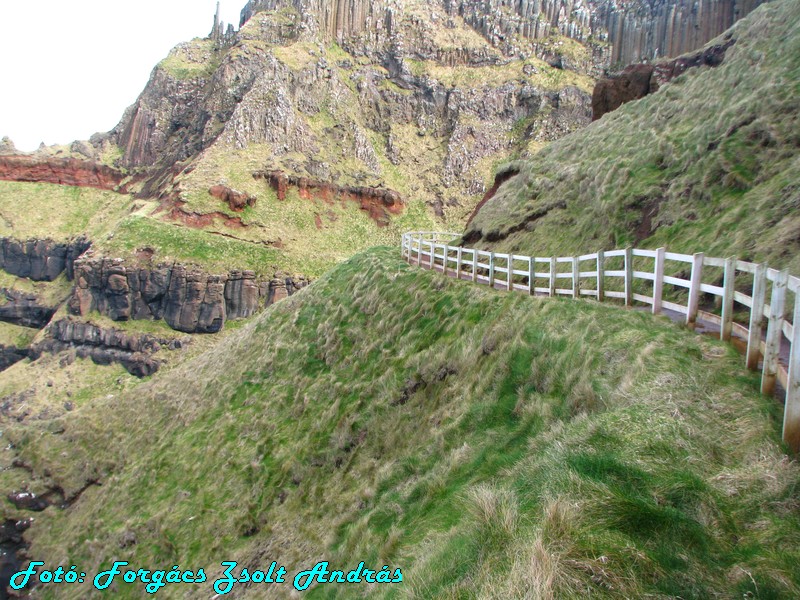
{"x":40,"y":260}
{"x":637,"y":81}
{"x":63,"y":171}
{"x":621,"y":32}
{"x":188,"y":300}
{"x":104,"y":346}
{"x":337,"y":91}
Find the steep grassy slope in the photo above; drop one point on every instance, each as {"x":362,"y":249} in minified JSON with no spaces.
{"x":711,"y":162}
{"x":490,"y":445}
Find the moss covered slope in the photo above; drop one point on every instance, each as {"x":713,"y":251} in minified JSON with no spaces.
{"x":711,"y":162}
{"x":489,"y":444}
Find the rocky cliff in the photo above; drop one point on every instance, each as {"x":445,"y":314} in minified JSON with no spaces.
{"x":40,"y":260}
{"x":637,"y":81}
{"x":422,"y":99}
{"x":188,"y":300}
{"x":62,"y":171}
{"x":105,"y":345}
{"x":619,"y":32}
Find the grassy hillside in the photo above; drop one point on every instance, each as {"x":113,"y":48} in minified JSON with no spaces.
{"x":490,"y":445}
{"x":273,"y":236}
{"x":709,"y":163}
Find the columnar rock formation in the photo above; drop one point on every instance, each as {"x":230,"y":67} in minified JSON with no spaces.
{"x":40,"y":260}
{"x":634,"y":30}
{"x":188,"y":300}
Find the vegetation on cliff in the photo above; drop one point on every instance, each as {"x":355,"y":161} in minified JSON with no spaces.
{"x":489,"y":444}
{"x":708,"y":163}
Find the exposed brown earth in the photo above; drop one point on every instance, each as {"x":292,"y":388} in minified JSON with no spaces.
{"x":379,"y":203}
{"x":637,"y":81}
{"x":61,"y":171}
{"x":499,"y":180}
{"x":236,"y":200}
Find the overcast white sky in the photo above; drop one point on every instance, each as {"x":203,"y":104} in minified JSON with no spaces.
{"x":69,"y":68}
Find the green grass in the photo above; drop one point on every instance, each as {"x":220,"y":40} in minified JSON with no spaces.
{"x":43,"y":210}
{"x":489,"y":444}
{"x":713,"y":155}
{"x":188,"y":245}
{"x":48,"y":293}
{"x":16,"y":336}
{"x":191,"y":60}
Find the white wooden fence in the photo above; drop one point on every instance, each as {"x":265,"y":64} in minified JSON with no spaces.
{"x":589,"y":275}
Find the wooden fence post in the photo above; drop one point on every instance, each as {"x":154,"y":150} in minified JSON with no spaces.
{"x":419,"y":252}
{"x":774,"y":333}
{"x":628,"y":276}
{"x":552,"y":276}
{"x":531,"y":277}
{"x":694,"y":289}
{"x":474,"y":265}
{"x":658,"y":280}
{"x":446,"y":258}
{"x":756,"y":317}
{"x":459,"y":259}
{"x":433,"y":253}
{"x":791,"y":412}
{"x":491,"y":269}
{"x":726,"y":327}
{"x":510,"y":278}
{"x":576,"y":286}
{"x":601,"y":275}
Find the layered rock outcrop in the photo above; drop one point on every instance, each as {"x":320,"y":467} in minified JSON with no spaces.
{"x":10,"y":355}
{"x":234,"y":199}
{"x":188,"y":300}
{"x":41,"y":260}
{"x":20,"y":308}
{"x":379,"y":203}
{"x":105,"y":346}
{"x":637,"y":81}
{"x":62,"y":171}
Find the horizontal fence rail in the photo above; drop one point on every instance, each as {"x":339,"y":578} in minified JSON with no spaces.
{"x":593,"y":276}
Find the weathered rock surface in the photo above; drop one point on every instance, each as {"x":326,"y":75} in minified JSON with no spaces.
{"x":63,"y":171}
{"x":41,"y":260}
{"x":627,"y":31}
{"x":188,"y":300}
{"x":105,"y":346}
{"x":24,"y":309}
{"x":10,"y":355}
{"x":234,"y":199}
{"x":635,"y":30}
{"x":637,"y":81}
{"x":378,"y":202}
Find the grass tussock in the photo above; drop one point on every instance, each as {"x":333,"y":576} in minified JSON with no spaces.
{"x":491,"y":445}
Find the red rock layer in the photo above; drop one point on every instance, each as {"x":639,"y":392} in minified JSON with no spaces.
{"x":62,"y":171}
{"x":379,"y":203}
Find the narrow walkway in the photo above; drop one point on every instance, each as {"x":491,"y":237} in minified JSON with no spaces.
{"x":769,"y":350}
